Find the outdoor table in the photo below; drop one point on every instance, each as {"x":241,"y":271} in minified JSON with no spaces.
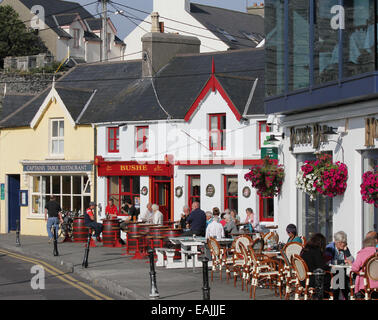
{"x":271,"y":253}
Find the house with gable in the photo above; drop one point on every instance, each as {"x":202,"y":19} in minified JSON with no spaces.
{"x":68,"y":29}
{"x":218,"y":29}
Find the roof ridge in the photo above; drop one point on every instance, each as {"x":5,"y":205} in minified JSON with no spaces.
{"x":225,"y":9}
{"x":236,"y":77}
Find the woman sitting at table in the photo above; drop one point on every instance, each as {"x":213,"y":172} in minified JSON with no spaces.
{"x":230,"y":226}
{"x":111,"y":210}
{"x":366,"y":252}
{"x":250,"y":218}
{"x":313,"y":255}
{"x":234,"y":216}
{"x":291,"y":231}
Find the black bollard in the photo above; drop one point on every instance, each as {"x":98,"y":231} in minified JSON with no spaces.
{"x":56,"y":253}
{"x":18,"y":244}
{"x":86,"y":252}
{"x":154,"y":294}
{"x":206,"y":287}
{"x":319,"y":284}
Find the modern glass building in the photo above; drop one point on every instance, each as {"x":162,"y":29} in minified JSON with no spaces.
{"x":319,"y":52}
{"x":321,"y":74}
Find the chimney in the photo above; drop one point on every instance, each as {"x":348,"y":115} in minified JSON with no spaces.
{"x":159,"y":47}
{"x":256,"y":8}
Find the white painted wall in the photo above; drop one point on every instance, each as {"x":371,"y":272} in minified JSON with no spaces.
{"x":348,"y":209}
{"x":177,"y":10}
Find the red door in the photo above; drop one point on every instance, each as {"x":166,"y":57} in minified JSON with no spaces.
{"x":162,"y":197}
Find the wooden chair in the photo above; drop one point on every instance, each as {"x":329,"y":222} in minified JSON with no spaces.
{"x":287,"y":252}
{"x":302,"y":274}
{"x":304,"y":240}
{"x":369,"y":271}
{"x":218,"y":258}
{"x":237,"y":257}
{"x":258,"y":246}
{"x":271,"y":236}
{"x":261,"y":270}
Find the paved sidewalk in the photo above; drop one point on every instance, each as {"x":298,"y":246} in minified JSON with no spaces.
{"x":127,"y":278}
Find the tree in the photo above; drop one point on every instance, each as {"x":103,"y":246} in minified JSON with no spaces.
{"x":15,"y":38}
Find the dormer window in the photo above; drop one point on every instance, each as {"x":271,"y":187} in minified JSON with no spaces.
{"x":217,"y":131}
{"x":57,"y":137}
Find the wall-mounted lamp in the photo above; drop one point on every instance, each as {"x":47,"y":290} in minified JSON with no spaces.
{"x":272,"y":137}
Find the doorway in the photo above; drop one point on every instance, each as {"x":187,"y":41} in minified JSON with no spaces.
{"x":161,"y":195}
{"x":13,"y":201}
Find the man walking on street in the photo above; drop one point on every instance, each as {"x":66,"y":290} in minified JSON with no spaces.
{"x":53,"y":214}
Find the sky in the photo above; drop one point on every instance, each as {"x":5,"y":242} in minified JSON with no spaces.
{"x":124,"y":26}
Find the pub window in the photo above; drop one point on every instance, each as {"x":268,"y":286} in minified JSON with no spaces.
{"x":142,"y":138}
{"x":122,"y":188}
{"x":57,"y":137}
{"x":71,"y":192}
{"x":266,"y":208}
{"x":217,"y":131}
{"x":231,"y":192}
{"x":194,"y":183}
{"x":113,"y":139}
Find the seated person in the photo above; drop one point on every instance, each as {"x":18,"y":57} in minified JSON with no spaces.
{"x":158,"y":217}
{"x":291,"y":231}
{"x":197,"y":221}
{"x":209,"y":217}
{"x":111,"y":209}
{"x":230,"y":226}
{"x":234,"y":216}
{"x":223,"y":221}
{"x":215,"y":229}
{"x":148,"y":215}
{"x":90,"y":221}
{"x":368,"y":250}
{"x":338,"y":251}
{"x":313,"y":255}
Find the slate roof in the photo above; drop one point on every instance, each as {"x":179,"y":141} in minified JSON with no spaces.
{"x":230,"y":26}
{"x":123,"y":95}
{"x":11,"y":102}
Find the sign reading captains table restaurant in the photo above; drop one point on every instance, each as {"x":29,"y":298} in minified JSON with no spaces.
{"x":49,"y":167}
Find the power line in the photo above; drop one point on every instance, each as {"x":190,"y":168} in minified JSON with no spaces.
{"x":187,"y":24}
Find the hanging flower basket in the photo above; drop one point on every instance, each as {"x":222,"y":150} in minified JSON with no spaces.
{"x":322,"y":177}
{"x":266,"y":178}
{"x":369,"y":187}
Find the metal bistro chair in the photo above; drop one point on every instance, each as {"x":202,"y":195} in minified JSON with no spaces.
{"x":287,"y":252}
{"x":238,"y":260}
{"x":302,"y":275}
{"x":369,"y":271}
{"x":218,"y":258}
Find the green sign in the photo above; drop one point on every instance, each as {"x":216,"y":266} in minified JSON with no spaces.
{"x":2,"y":191}
{"x":271,"y":152}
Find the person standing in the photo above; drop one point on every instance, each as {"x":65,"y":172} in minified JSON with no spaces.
{"x":158,"y":216}
{"x":90,"y":221}
{"x":53,"y":214}
{"x":111,"y":209}
{"x":197,"y":221}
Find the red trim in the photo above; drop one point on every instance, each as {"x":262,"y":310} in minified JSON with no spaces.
{"x":217,"y":130}
{"x":115,"y":139}
{"x":191,"y":197}
{"x":261,"y":211}
{"x":231,"y":162}
{"x":212,"y":84}
{"x":144,"y":138}
{"x":134,"y":168}
{"x":225,"y":196}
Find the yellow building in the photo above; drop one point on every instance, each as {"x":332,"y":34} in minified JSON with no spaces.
{"x":44,"y":152}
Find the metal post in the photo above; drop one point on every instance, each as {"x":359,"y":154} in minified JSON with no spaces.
{"x":319,"y":284}
{"x":56,"y":253}
{"x":86,"y":252}
{"x":18,"y":244}
{"x":154,"y":293}
{"x":206,"y":287}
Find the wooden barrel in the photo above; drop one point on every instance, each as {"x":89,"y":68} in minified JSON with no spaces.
{"x":132,"y":230}
{"x":110,"y":233}
{"x":157,"y":236}
{"x":80,"y":232}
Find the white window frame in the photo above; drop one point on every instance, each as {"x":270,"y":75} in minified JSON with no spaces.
{"x":58,"y":138}
{"x":76,"y":38}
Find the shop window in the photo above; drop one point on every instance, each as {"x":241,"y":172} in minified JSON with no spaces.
{"x":194,"y":187}
{"x":142,"y":139}
{"x":57,"y":137}
{"x":71,"y":192}
{"x":76,"y":38}
{"x":113,"y":139}
{"x":231,"y":192}
{"x":217,"y":131}
{"x":122,"y":188}
{"x":266,"y":209}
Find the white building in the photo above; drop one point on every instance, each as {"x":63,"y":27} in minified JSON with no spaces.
{"x":218,"y":29}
